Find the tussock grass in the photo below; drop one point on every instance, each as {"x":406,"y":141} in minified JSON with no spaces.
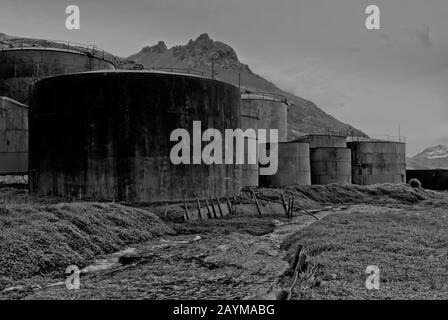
{"x":334,"y":194}
{"x":409,"y":247}
{"x":37,"y":239}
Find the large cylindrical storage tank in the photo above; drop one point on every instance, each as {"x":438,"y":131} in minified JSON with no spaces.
{"x":324,"y":141}
{"x":293,"y":166}
{"x":330,"y":165}
{"x":249,"y":120}
{"x":13,"y":137}
{"x":20,"y":67}
{"x":378,"y":162}
{"x":106,"y":135}
{"x":272,"y":112}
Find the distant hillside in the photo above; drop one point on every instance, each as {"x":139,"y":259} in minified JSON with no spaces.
{"x":431,"y":158}
{"x":303,"y":117}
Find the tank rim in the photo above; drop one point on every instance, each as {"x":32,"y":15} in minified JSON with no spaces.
{"x":58,"y":50}
{"x":124,"y":71}
{"x":375,"y":141}
{"x":320,"y":135}
{"x":329,"y":148}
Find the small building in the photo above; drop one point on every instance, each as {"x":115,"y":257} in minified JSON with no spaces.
{"x":436,"y":179}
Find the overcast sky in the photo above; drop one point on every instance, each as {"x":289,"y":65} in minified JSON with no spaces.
{"x":318,"y":49}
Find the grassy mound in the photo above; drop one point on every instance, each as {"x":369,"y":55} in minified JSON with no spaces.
{"x":380,"y":194}
{"x":409,"y":247}
{"x":37,"y":239}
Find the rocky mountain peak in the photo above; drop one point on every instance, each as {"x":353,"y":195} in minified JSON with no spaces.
{"x":160,"y":47}
{"x":203,"y":50}
{"x":439,"y":151}
{"x":203,"y":37}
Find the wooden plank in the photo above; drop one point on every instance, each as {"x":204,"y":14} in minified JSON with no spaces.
{"x":229,"y":205}
{"x":284,"y":205}
{"x":187,"y":214}
{"x":219,"y":207}
{"x":215,"y":216}
{"x":209,"y":210}
{"x":256,"y":202}
{"x":199,"y":210}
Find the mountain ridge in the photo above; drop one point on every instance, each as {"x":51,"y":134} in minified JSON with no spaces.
{"x":435,"y":157}
{"x":206,"y":55}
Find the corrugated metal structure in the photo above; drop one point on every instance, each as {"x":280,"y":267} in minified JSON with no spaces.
{"x":330,"y":165}
{"x":13,"y":137}
{"x":324,"y":141}
{"x":272,"y":111}
{"x":293,"y":166}
{"x":20,"y":67}
{"x":376,"y":161}
{"x":436,"y":179}
{"x":111,"y":141}
{"x":249,"y":120}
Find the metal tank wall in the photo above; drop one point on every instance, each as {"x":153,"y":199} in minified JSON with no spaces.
{"x":111,"y":141}
{"x":293,"y":166}
{"x":13,"y":137}
{"x":249,"y":120}
{"x":430,"y":179}
{"x":19,"y":68}
{"x":324,"y":141}
{"x":272,"y":112}
{"x":378,"y":162}
{"x":330,"y":165}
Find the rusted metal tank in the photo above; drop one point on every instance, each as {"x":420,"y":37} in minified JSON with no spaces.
{"x":111,"y":139}
{"x":293,"y":166}
{"x":330,"y":165}
{"x":13,"y":137}
{"x":272,"y":111}
{"x":375,"y":161}
{"x":249,"y":120}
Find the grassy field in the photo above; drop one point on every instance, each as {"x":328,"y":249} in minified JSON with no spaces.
{"x":409,"y":246}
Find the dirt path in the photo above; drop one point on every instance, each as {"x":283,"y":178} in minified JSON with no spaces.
{"x":210,"y":266}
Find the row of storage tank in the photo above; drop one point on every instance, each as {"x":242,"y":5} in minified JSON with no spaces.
{"x":105,"y":134}
{"x":326,"y":159}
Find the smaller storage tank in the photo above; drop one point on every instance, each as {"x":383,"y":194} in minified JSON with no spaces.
{"x":330,"y":165}
{"x":293,"y":166}
{"x":272,"y":111}
{"x":430,"y":179}
{"x":376,"y":161}
{"x":20,"y":67}
{"x":249,"y":120}
{"x":324,"y":141}
{"x":13,"y":137}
